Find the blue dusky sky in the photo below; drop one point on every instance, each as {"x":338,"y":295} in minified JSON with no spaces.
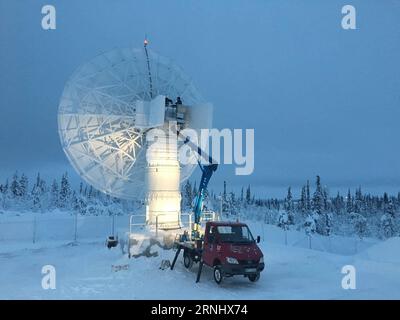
{"x":322,"y":100}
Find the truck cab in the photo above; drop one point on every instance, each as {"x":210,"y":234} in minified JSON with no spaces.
{"x":227,"y":247}
{"x":230,"y":249}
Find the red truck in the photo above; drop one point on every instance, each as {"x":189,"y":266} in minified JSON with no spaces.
{"x":227,"y":247}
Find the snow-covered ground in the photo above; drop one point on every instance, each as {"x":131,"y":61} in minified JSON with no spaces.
{"x":293,"y":271}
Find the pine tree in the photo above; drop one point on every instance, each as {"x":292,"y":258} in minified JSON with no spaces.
{"x":318,"y":208}
{"x":336,"y":203}
{"x":248,"y":195}
{"x":385,"y":202}
{"x":359,"y":225}
{"x":23,"y":184}
{"x":5,"y":188}
{"x":303,"y":201}
{"x":289,"y":206}
{"x":79,"y":203}
{"x":232,"y":204}
{"x":74,"y":201}
{"x":42,"y":186}
{"x":388,"y":225}
{"x":327,"y":216}
{"x":358,"y":201}
{"x":310,"y":225}
{"x":325,"y":196}
{"x":390,"y":210}
{"x":318,"y":198}
{"x":349,"y":203}
{"x":65,"y":191}
{"x":283,"y":220}
{"x":15,"y":187}
{"x":308,"y":198}
{"x":4,"y":195}
{"x":54,"y":194}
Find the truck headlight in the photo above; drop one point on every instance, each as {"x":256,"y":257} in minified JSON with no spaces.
{"x":232,"y":260}
{"x":262,"y":260}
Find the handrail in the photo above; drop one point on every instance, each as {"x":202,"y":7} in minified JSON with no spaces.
{"x":206,"y":216}
{"x":132,"y":224}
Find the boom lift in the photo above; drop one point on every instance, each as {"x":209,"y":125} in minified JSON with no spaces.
{"x":227,"y":247}
{"x":207,"y":171}
{"x":194,"y":243}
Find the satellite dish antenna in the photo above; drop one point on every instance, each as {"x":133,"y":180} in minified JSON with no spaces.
{"x":106,"y":111}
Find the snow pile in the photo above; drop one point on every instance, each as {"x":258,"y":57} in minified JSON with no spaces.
{"x":387,"y":251}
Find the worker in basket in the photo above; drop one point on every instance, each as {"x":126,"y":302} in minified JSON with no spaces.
{"x":168,"y":101}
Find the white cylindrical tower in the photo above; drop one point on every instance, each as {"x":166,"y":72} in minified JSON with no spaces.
{"x":163,"y":200}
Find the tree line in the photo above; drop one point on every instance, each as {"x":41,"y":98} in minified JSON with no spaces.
{"x":18,"y":194}
{"x":315,"y":211}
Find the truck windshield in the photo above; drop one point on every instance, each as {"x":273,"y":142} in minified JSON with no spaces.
{"x":240,"y":234}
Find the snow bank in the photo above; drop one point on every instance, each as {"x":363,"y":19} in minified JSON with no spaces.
{"x":387,"y":251}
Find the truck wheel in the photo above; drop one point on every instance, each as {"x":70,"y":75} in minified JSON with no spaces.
{"x":187,"y":261}
{"x":218,"y":274}
{"x":254,"y":277}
